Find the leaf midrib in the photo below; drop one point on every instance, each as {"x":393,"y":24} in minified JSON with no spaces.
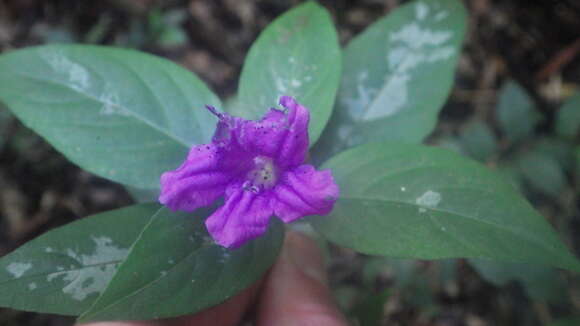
{"x":91,"y":97}
{"x":146,"y":285}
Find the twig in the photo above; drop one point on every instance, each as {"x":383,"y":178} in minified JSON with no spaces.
{"x":559,"y":60}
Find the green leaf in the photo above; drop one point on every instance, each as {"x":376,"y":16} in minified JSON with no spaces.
{"x":510,"y":173}
{"x":540,"y":282}
{"x":560,"y":150}
{"x":63,"y":271}
{"x":516,"y":112}
{"x":428,"y":203}
{"x":143,"y":195}
{"x":568,"y":118}
{"x":175,"y":268}
{"x":478,"y":141}
{"x":124,"y":115}
{"x":542,"y":166}
{"x":298,"y":55}
{"x":397,"y":75}
{"x":450,"y":143}
{"x":543,"y":172}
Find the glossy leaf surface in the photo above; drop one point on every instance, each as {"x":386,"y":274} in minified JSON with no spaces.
{"x":121,"y":114}
{"x":175,"y":268}
{"x":423,"y":202}
{"x":297,"y":55}
{"x":64,"y":271}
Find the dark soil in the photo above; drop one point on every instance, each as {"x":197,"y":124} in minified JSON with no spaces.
{"x":536,"y":42}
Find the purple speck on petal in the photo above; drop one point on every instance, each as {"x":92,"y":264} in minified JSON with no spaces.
{"x":258,"y":166}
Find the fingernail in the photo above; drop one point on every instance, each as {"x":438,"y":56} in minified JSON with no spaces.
{"x":306,"y":256}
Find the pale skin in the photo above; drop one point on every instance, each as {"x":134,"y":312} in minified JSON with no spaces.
{"x":294,"y":292}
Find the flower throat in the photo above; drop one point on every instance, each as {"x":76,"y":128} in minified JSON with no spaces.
{"x":263,"y":176}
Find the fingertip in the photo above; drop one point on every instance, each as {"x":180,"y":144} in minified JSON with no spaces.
{"x":295,"y":293}
{"x":228,"y":313}
{"x":306,"y":255}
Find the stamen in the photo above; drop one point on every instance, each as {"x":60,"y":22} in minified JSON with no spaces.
{"x":263,"y":176}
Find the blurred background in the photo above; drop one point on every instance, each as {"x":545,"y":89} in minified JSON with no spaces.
{"x":518,"y":74}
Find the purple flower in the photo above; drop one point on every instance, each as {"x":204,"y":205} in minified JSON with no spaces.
{"x":259,"y":167}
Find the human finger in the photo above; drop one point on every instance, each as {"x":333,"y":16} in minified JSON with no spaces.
{"x":228,"y":313}
{"x":296,"y":291}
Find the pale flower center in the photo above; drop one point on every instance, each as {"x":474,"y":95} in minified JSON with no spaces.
{"x":262,"y":176}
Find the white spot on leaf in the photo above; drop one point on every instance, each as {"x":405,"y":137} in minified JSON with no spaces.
{"x":364,"y":94}
{"x":111,"y":103}
{"x":415,"y":37}
{"x":394,"y":95}
{"x":18,"y":269}
{"x":441,"y":15}
{"x":421,"y":10}
{"x":94,"y":270}
{"x":441,"y":54}
{"x":225,"y":257}
{"x":32,"y":286}
{"x":281,"y":85}
{"x":429,"y":199}
{"x":77,"y":76}
{"x":295,"y":83}
{"x":410,"y":46}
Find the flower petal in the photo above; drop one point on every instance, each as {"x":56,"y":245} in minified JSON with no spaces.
{"x":295,"y":146}
{"x":198,"y":182}
{"x":282,"y":136}
{"x":244,"y":216}
{"x":304,"y":191}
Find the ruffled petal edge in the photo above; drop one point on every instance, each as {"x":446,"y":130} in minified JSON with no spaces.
{"x":304,"y":191}
{"x":244,"y":216}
